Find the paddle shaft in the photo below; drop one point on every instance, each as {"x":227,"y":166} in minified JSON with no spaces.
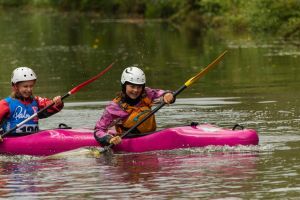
{"x":31,"y":117}
{"x":162,"y":104}
{"x":73,"y":91}
{"x":178,"y":91}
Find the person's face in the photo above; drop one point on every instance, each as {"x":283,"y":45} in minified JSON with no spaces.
{"x":134,"y":91}
{"x":25,"y":88}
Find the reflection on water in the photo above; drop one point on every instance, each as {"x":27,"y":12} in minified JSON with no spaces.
{"x":66,"y":49}
{"x":214,"y":172}
{"x":158,"y":175}
{"x":180,"y":174}
{"x":164,"y":173}
{"x":255,"y":85}
{"x":211,"y":172}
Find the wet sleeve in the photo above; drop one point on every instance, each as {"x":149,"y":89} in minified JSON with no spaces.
{"x":43,"y":102}
{"x":157,"y":94}
{"x":110,"y":116}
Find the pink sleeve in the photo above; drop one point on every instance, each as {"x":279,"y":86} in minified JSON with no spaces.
{"x":4,"y":109}
{"x":110,"y":116}
{"x":155,"y":93}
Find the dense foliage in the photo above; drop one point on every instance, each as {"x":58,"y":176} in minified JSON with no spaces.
{"x":280,"y":17}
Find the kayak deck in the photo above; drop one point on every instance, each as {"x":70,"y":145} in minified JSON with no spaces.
{"x":189,"y":136}
{"x":49,"y":142}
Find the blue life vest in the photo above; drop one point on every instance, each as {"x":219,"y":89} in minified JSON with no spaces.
{"x":18,"y":113}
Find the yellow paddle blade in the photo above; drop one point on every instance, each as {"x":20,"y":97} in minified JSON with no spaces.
{"x":205,"y":70}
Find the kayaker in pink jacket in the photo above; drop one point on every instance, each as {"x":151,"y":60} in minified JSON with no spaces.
{"x":131,"y":105}
{"x":22,"y":104}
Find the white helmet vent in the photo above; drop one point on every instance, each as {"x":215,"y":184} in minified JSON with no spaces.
{"x":23,"y":74}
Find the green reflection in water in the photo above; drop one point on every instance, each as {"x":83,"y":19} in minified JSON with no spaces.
{"x":66,"y":49}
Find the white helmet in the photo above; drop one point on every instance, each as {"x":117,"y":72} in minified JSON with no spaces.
{"x":22,"y":74}
{"x":133,"y":75}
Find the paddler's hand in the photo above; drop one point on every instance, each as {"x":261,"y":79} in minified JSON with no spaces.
{"x":57,"y":100}
{"x":169,"y":98}
{"x":1,"y":139}
{"x":115,"y":140}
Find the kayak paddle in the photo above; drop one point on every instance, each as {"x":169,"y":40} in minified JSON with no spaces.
{"x":183,"y":87}
{"x":73,"y":91}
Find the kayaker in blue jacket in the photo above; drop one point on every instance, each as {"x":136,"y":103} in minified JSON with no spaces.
{"x":130,"y":106}
{"x":22,"y":104}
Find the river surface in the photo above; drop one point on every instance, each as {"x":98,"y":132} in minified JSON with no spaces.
{"x":256,"y":85}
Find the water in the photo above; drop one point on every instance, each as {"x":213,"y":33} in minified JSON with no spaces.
{"x":255,"y":85}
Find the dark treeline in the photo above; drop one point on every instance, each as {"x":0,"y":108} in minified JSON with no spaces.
{"x":280,"y":17}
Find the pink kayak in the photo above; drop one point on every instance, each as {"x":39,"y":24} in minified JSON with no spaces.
{"x":49,"y":142}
